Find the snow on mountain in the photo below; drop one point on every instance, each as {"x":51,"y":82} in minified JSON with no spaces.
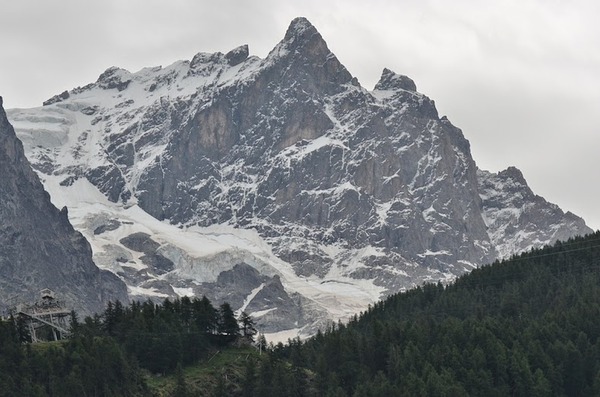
{"x":519,"y":220}
{"x":198,"y":256}
{"x":278,"y":184}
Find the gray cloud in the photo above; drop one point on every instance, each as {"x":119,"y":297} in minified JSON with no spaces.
{"x":520,"y":77}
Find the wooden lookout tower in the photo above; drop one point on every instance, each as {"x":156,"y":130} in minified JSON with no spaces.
{"x":46,"y":319}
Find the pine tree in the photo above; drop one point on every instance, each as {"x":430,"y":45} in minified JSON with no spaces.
{"x":181,"y":388}
{"x":228,"y":325}
{"x":247,"y":327}
{"x":261,"y":343}
{"x":205,"y":315}
{"x":74,"y":323}
{"x":22,"y":330}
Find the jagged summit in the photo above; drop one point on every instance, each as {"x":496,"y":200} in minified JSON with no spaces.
{"x":513,"y":173}
{"x":303,"y":41}
{"x":303,"y":57}
{"x":309,"y":194}
{"x":393,"y":81}
{"x":114,"y":77}
{"x":300,"y":29}
{"x":237,"y":55}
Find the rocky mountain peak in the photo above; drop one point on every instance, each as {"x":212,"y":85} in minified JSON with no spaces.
{"x":303,"y":57}
{"x":514,"y":174}
{"x":237,"y":55}
{"x":329,"y":195}
{"x":300,"y":29}
{"x":114,"y":77}
{"x":302,"y":41}
{"x":393,"y":81}
{"x":11,"y":150}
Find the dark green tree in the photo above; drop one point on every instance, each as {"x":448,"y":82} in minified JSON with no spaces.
{"x":247,"y":327}
{"x":181,"y":387}
{"x":228,"y":324}
{"x":22,"y":329}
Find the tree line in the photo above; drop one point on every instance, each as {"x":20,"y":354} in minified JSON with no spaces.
{"x":526,"y":326}
{"x":108,"y":353}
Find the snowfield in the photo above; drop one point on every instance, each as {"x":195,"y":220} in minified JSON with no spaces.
{"x":202,"y":253}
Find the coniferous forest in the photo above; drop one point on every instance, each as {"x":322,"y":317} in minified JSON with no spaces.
{"x":526,"y":326}
{"x":109,"y":354}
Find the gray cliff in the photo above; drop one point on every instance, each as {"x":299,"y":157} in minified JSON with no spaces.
{"x":38,"y":246}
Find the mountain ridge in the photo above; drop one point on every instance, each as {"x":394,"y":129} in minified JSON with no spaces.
{"x":348,"y":193}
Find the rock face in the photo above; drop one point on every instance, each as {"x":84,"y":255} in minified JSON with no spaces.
{"x":38,"y":246}
{"x":347,"y":189}
{"x":517,"y":219}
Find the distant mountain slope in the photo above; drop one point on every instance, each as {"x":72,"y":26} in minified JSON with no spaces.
{"x":348,"y":194}
{"x":38,"y":246}
{"x":526,"y":326}
{"x":517,"y":219}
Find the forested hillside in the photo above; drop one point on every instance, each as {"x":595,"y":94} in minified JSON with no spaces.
{"x":114,"y":354}
{"x":527,"y":326}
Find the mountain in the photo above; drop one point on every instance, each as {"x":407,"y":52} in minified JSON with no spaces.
{"x":38,"y":246}
{"x":279,"y":184}
{"x":519,"y":220}
{"x":526,"y":326}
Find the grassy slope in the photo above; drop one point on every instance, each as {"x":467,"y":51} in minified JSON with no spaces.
{"x":202,"y":379}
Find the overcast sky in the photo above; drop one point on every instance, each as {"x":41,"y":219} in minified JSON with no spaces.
{"x":521,"y":78}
